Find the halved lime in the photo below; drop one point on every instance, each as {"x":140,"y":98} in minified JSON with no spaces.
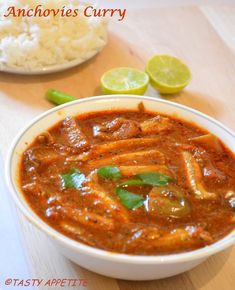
{"x":124,"y":80}
{"x":168,"y":74}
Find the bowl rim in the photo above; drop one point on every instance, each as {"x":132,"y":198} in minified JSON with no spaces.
{"x":76,"y":246}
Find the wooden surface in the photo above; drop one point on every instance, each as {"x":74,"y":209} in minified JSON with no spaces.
{"x":204,"y":38}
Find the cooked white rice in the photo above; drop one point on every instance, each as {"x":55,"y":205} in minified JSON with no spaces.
{"x":36,"y":42}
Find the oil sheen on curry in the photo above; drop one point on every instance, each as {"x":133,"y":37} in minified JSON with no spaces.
{"x":132,"y":182}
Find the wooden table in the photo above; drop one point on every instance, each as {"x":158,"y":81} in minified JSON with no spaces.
{"x":204,"y":38}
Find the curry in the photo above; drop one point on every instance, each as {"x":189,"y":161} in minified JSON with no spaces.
{"x":133,"y":182}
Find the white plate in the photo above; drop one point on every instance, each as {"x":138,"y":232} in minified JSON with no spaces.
{"x":52,"y":68}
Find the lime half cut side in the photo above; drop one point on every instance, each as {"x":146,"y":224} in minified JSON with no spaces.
{"x":168,"y":74}
{"x":124,"y":80}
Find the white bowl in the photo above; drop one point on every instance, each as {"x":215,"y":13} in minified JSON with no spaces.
{"x":106,"y":263}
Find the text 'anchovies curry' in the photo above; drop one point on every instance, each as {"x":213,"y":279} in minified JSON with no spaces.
{"x":131,"y":182}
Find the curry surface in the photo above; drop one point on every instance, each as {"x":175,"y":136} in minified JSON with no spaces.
{"x":93,"y":214}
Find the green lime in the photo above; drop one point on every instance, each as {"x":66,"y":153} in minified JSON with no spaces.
{"x":168,"y":74}
{"x":124,"y":80}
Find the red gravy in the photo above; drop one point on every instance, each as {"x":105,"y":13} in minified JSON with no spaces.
{"x":181,"y":191}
